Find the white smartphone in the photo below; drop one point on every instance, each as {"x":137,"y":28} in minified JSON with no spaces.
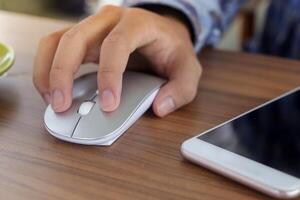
{"x":260,"y":148}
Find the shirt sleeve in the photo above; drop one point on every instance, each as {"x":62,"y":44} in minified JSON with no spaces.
{"x":208,"y":18}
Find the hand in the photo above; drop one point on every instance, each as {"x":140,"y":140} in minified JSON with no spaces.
{"x":110,"y":37}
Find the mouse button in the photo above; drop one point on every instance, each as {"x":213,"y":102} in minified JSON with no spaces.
{"x":62,"y":123}
{"x":138,"y":85}
{"x":93,"y":127}
{"x":142,"y":81}
{"x":85,"y":85}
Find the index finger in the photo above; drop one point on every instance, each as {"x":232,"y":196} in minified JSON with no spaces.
{"x":71,"y":52}
{"x":43,"y":61}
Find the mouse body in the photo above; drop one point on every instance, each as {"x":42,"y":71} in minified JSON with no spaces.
{"x":85,"y":123}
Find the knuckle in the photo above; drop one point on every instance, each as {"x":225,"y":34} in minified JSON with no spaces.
{"x":51,"y":38}
{"x":60,"y":78}
{"x":178,"y":44}
{"x":57,"y":69}
{"x":73,"y":33}
{"x":106,"y":73}
{"x":106,"y":76}
{"x":137,"y":13}
{"x":134,"y":12}
{"x":116,"y":40}
{"x":113,"y":38}
{"x":111,"y":12}
{"x":56,"y":74}
{"x":141,"y":17}
{"x":110,"y":9}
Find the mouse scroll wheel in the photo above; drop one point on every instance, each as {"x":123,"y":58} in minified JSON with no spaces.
{"x":86,"y":107}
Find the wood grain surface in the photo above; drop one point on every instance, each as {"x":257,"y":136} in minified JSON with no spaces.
{"x":145,"y":163}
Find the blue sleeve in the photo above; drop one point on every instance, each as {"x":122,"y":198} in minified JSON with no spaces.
{"x":208,"y":18}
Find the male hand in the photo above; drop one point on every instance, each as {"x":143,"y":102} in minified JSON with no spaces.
{"x":110,"y":37}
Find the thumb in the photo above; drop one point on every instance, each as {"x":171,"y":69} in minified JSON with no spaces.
{"x":180,"y":90}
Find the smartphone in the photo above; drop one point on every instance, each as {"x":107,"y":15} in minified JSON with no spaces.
{"x":260,"y":148}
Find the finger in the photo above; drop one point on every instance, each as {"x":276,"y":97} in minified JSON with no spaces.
{"x":71,"y":51}
{"x":43,"y":61}
{"x":128,"y":35}
{"x":180,"y":89}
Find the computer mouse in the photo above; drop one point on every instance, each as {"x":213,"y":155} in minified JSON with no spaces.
{"x":85,"y":123}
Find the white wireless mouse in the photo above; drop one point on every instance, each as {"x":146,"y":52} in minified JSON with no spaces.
{"x":85,"y":123}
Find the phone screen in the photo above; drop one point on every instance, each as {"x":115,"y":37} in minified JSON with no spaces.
{"x":269,"y":135}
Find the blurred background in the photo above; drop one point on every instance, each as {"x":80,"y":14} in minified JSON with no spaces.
{"x":62,"y":9}
{"x":245,"y":32}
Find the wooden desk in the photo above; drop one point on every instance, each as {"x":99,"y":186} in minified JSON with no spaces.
{"x":145,"y":163}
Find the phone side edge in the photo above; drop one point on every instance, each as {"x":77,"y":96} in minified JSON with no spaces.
{"x":226,"y":171}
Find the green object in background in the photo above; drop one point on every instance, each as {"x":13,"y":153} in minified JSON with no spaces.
{"x":7,"y":57}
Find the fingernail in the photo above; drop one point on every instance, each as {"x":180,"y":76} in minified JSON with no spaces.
{"x":47,"y":98}
{"x":57,"y":99}
{"x":166,"y":106}
{"x":107,"y":100}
